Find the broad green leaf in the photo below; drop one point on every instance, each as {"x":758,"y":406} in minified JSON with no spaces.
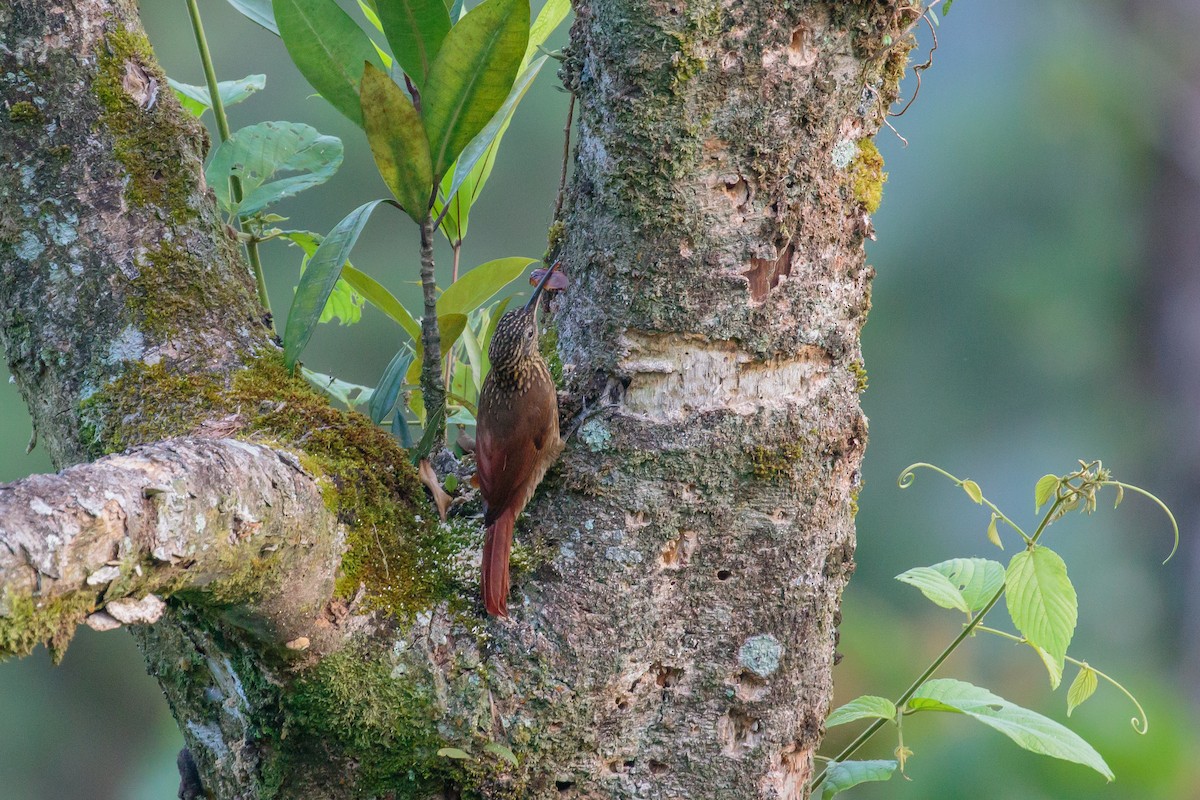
{"x":383,"y":400}
{"x":328,"y":48}
{"x":1030,"y":730}
{"x":1044,"y":491}
{"x":453,"y":752}
{"x":1081,"y":688}
{"x":474,"y":288}
{"x":471,"y":76}
{"x":382,"y":299}
{"x":196,"y":99}
{"x":549,"y":18}
{"x":842,"y":775}
{"x":936,"y":586}
{"x":1041,"y":600}
{"x":450,"y":327}
{"x":474,"y":357}
{"x":973,"y":491}
{"x":497,"y":311}
{"x":469,"y":163}
{"x":495,"y":747}
{"x":867,"y":706}
{"x":397,"y":140}
{"x":415,"y":30}
{"x":978,"y":579}
{"x":352,"y":394}
{"x":258,"y":11}
{"x":343,"y":303}
{"x":324,"y":269}
{"x":259,"y":153}
{"x":1053,"y":666}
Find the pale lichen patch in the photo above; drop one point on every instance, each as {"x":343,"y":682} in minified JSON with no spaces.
{"x":674,"y":376}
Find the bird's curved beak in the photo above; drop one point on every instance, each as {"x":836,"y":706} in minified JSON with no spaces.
{"x":537,"y":292}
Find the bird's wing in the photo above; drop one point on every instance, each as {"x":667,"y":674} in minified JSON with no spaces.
{"x":510,"y":464}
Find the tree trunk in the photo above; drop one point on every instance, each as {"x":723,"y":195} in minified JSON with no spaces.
{"x":676,"y":582}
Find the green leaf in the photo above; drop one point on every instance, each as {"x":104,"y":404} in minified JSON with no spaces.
{"x":196,"y":99}
{"x":549,"y":18}
{"x":497,"y":748}
{"x":978,"y":579}
{"x":258,"y":153}
{"x":1046,"y":486}
{"x":352,"y":394}
{"x":343,"y":303}
{"x":1081,"y":688}
{"x":1030,"y":730}
{"x":371,"y":15}
{"x":946,"y":7}
{"x":383,"y":400}
{"x":474,"y":288}
{"x":324,"y":269}
{"x":1041,"y":600}
{"x":475,"y":356}
{"x":328,"y":48}
{"x":840,"y":776}
{"x":450,"y":327}
{"x":258,"y":11}
{"x":973,"y":491}
{"x":865,"y":707}
{"x":472,"y":76}
{"x":415,"y":30}
{"x":382,"y":299}
{"x":483,"y":145}
{"x":1053,"y":666}
{"x":936,"y":586}
{"x":992,"y":534}
{"x":397,"y":140}
{"x":453,"y":752}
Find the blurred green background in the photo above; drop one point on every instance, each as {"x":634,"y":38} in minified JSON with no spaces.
{"x":1036,"y":250}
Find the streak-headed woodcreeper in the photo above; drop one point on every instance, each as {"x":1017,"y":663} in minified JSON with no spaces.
{"x":516,"y":438}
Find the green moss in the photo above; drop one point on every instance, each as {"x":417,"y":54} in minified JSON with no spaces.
{"x":860,"y":376}
{"x":548,"y":347}
{"x":867,"y":176}
{"x":26,"y":623}
{"x":405,"y":561}
{"x":351,"y":705}
{"x":24,"y":112}
{"x":775,"y":463}
{"x":146,"y":141}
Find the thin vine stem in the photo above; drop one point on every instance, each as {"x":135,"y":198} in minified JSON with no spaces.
{"x":235,"y":184}
{"x":906,"y":479}
{"x":1160,"y":503}
{"x":1140,"y":723}
{"x":909,"y":475}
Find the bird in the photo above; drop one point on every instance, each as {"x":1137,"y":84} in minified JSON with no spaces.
{"x":516,"y":438}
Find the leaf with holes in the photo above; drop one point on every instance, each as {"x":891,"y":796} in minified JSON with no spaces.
{"x":1041,"y":600}
{"x":328,"y":48}
{"x":935,"y":586}
{"x":258,"y":155}
{"x":472,"y":76}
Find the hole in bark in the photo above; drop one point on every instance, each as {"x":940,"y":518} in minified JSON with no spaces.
{"x":677,"y":552}
{"x":724,"y":574}
{"x":657,"y":767}
{"x":764,"y":274}
{"x":564,"y":786}
{"x":666,"y":676}
{"x":738,"y":732}
{"x":737,"y":190}
{"x":748,"y":686}
{"x":629,"y":764}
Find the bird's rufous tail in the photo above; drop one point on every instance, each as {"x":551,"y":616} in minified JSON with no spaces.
{"x":497,"y":545}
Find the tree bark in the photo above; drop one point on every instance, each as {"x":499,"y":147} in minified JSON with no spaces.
{"x":675,"y":607}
